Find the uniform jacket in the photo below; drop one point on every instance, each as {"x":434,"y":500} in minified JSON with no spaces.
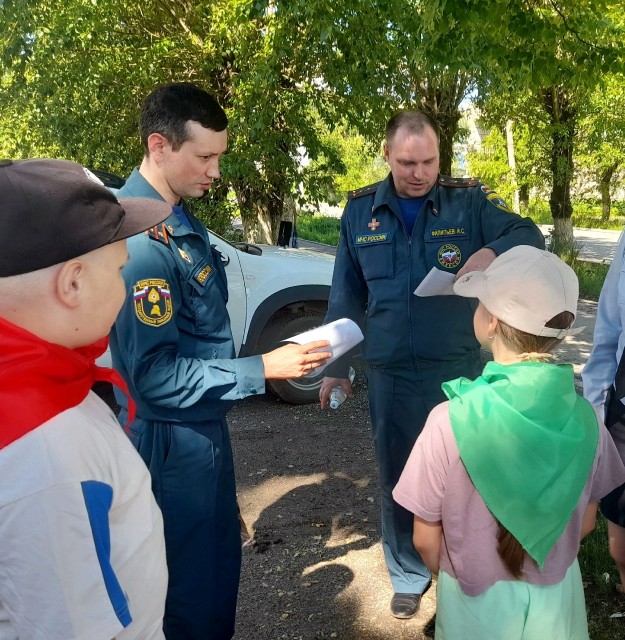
{"x":609,"y":337}
{"x":172,"y":340}
{"x":378,"y":267}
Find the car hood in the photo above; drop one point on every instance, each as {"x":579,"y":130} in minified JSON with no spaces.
{"x":296,"y":254}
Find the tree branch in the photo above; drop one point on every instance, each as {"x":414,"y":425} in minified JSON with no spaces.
{"x":569,"y":28}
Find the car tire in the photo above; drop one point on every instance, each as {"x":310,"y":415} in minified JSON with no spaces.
{"x":301,"y":390}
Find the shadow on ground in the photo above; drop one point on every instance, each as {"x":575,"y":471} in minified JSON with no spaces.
{"x":308,"y":488}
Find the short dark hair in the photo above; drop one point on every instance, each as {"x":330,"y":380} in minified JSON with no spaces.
{"x":413,"y":120}
{"x":168,"y":109}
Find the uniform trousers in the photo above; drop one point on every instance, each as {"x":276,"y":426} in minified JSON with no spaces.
{"x":400,"y":401}
{"x":193,"y":483}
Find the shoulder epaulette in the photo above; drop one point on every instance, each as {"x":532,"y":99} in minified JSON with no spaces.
{"x":159,"y":232}
{"x":447,"y":181}
{"x":363,"y":191}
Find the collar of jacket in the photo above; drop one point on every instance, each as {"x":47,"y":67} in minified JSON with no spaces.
{"x":386,"y":196}
{"x":137,"y":186}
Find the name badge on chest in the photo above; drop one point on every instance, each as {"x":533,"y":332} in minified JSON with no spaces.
{"x":372,"y":238}
{"x":202,"y":273}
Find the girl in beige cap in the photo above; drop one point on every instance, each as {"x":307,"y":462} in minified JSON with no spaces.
{"x":505,"y":478}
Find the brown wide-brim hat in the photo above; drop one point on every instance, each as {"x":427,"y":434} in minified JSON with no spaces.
{"x":54,"y":210}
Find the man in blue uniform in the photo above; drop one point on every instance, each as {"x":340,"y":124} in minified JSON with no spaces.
{"x":392,"y":234}
{"x":604,"y":385}
{"x":173,"y":345}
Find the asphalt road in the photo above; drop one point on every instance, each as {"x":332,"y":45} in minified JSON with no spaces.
{"x":594,"y":244}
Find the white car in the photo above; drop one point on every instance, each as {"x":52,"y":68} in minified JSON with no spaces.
{"x":274,"y":293}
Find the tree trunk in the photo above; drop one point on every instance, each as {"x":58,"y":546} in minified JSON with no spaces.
{"x":563,"y":119}
{"x":448,"y":125}
{"x":447,"y":147}
{"x":261,"y":213}
{"x":524,"y":197}
{"x":604,"y":188}
{"x":440,"y":98}
{"x":512,"y":163}
{"x":563,"y":232}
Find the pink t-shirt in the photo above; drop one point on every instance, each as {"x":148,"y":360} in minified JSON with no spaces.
{"x":435,"y":487}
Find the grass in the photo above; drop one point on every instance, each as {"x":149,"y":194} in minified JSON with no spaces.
{"x":586,"y":215}
{"x":322,"y":229}
{"x":591,"y":276}
{"x":602,"y":599}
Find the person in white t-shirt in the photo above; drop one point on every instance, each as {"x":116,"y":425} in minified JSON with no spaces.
{"x":82,"y":553}
{"x":505,"y":478}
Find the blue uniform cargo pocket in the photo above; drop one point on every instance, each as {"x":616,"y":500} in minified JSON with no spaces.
{"x":376,"y":255}
{"x":449,"y":255}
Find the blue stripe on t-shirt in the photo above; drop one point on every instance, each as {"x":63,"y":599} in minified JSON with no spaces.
{"x":98,"y":499}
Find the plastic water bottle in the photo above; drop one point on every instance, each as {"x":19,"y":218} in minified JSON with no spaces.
{"x":337,"y":397}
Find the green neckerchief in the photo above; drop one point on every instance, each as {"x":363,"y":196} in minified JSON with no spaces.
{"x":528,"y":442}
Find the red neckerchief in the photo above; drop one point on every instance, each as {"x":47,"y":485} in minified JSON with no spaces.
{"x":39,"y":380}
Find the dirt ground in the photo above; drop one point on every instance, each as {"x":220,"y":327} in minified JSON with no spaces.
{"x":308,"y":489}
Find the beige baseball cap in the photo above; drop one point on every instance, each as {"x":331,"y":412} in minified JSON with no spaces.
{"x":525,"y":287}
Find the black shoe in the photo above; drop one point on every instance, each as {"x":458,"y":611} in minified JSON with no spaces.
{"x":405,"y":605}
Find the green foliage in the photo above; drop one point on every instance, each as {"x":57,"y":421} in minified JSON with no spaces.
{"x":490,"y":164}
{"x":601,"y":151}
{"x":591,"y":276}
{"x":216,"y":213}
{"x":567,"y":250}
{"x":586,"y":214}
{"x":539,"y":211}
{"x":359,"y":162}
{"x":74,"y":74}
{"x":317,"y":228}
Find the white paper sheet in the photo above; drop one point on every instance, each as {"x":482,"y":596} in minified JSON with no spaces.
{"x":436,"y":283}
{"x":342,"y":334}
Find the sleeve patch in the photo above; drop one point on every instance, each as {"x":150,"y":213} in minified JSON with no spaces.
{"x":152,"y":302}
{"x":500,"y":203}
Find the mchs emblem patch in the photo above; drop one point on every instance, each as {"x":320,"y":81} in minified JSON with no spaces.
{"x":152,"y":300}
{"x":449,"y":256}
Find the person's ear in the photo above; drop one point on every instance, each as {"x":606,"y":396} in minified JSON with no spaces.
{"x":69,"y":283}
{"x":493,"y":323}
{"x":385,"y":149}
{"x":157,"y":144}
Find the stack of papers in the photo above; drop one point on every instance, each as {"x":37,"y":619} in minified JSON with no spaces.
{"x":343,"y":335}
{"x":436,"y":283}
